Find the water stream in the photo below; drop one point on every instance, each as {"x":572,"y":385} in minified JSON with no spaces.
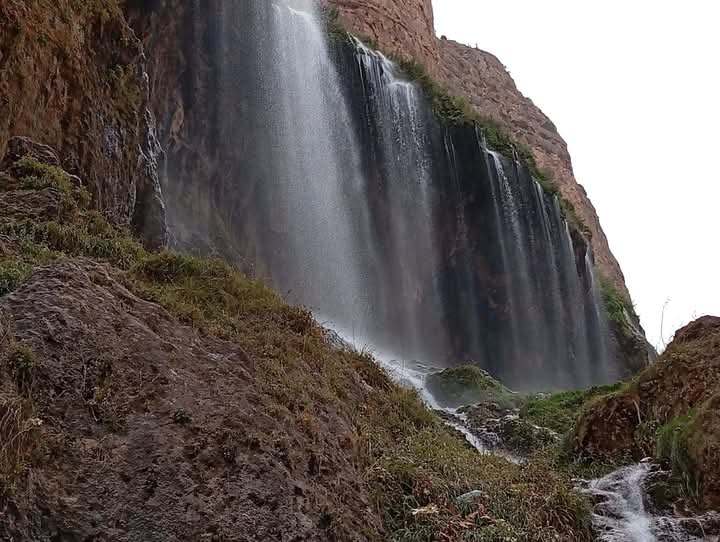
{"x":622,"y":512}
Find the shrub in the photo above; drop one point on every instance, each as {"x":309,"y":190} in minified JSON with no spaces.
{"x":18,"y":439}
{"x":21,"y":362}
{"x":12,"y":273}
{"x":617,"y":306}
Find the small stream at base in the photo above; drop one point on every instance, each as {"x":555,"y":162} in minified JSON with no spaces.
{"x":620,"y":500}
{"x":621,"y":510}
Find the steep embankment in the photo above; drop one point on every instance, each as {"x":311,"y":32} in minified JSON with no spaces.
{"x":72,"y":75}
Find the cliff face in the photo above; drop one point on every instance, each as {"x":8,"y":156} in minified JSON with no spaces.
{"x":74,"y":77}
{"x":486,"y":83}
{"x":405,"y":28}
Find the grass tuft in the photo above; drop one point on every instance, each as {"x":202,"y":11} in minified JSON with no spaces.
{"x":672,"y":447}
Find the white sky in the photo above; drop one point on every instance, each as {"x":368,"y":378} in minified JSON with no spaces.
{"x":634,"y":88}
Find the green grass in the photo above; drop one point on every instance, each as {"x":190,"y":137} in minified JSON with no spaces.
{"x":672,"y":447}
{"x":35,"y":175}
{"x":559,"y":411}
{"x":615,"y":302}
{"x":13,"y":272}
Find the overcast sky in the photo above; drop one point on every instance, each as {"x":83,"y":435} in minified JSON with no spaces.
{"x":634,"y":88}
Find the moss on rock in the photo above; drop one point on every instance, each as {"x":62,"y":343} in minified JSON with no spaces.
{"x":559,"y":411}
{"x":467,"y":385}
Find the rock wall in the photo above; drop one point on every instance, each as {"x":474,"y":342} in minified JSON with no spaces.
{"x":73,"y":76}
{"x":405,"y":27}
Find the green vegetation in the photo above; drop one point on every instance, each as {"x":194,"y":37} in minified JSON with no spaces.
{"x":522,"y":436}
{"x":418,"y":479}
{"x":127,"y":91}
{"x":673,"y":448}
{"x":21,"y":363}
{"x":330,"y":18}
{"x":467,"y":385}
{"x":35,"y":175}
{"x":617,"y":306}
{"x":18,"y":440}
{"x":559,"y":411}
{"x":12,"y":273}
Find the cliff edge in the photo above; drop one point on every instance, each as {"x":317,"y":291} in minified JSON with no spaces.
{"x":405,"y":28}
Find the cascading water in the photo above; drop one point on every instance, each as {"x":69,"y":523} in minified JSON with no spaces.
{"x":621,"y":512}
{"x":337,"y":182}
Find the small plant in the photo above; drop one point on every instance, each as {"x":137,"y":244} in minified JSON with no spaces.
{"x":672,"y":448}
{"x":13,"y":272}
{"x":182,"y":417}
{"x":618,"y":307}
{"x":18,"y":439}
{"x":21,"y":362}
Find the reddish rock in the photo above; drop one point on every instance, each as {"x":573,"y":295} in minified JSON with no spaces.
{"x":405,"y":28}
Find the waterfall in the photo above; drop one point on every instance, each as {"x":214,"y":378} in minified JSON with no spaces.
{"x":328,"y":174}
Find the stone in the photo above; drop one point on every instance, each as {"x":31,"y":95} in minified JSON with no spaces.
{"x":18,"y":147}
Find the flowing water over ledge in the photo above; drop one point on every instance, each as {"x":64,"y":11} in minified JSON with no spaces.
{"x":341,"y":188}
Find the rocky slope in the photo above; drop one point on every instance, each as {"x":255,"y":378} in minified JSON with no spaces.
{"x":405,"y":28}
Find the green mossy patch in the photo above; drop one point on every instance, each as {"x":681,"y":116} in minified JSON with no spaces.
{"x":673,"y":448}
{"x":35,"y":175}
{"x":559,"y":411}
{"x":617,"y":306}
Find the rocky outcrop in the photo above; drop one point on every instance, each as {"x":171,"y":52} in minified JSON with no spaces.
{"x":73,"y":76}
{"x":670,"y":410}
{"x":405,"y":27}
